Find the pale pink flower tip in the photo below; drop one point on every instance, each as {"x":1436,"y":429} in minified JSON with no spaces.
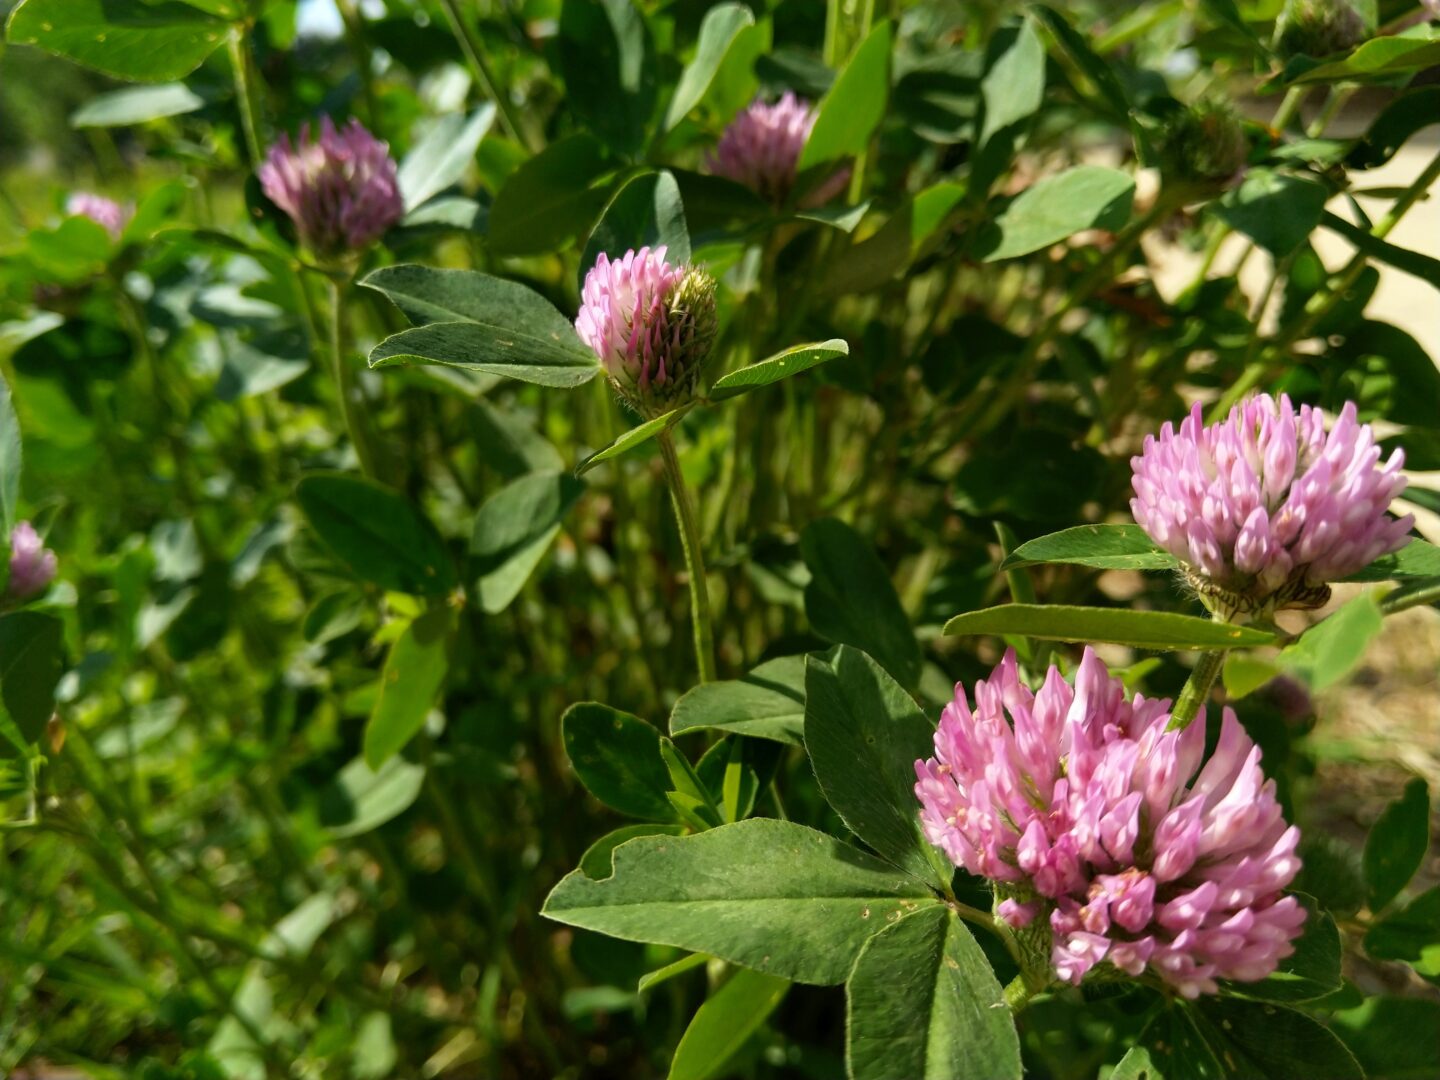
{"x":1267,"y":507}
{"x":104,"y":212}
{"x":650,"y":322}
{"x":1140,"y":857}
{"x":32,"y":565}
{"x":761,"y":149}
{"x":341,"y":188}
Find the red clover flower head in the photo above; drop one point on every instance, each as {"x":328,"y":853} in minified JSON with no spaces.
{"x":761,"y":149}
{"x":104,"y":212}
{"x":1102,"y":828}
{"x":651,"y":323}
{"x":1265,"y":508}
{"x":341,"y":188}
{"x":32,"y":564}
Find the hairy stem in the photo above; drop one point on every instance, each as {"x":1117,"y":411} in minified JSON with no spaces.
{"x":1196,"y":689}
{"x":245,"y":94}
{"x":694,"y":559}
{"x":354,"y":423}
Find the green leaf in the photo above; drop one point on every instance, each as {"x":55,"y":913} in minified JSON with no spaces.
{"x":136,"y":105}
{"x":1109,"y":547}
{"x":688,"y":792}
{"x":850,"y":600}
{"x":1330,"y":650}
{"x":772,"y":369}
{"x":1083,"y":197}
{"x":1137,"y":1064}
{"x":636,"y":436}
{"x":1177,"y":1050}
{"x":1411,"y":934}
{"x":718,"y":31}
{"x":376,"y":533}
{"x":767,"y":703}
{"x":769,"y":895}
{"x":646,"y":212}
{"x":361,"y":798}
{"x":429,"y":295}
{"x":1277,"y":211}
{"x":603,"y":56}
{"x":1382,"y":1034}
{"x":688,"y":963}
{"x":1158,"y":630}
{"x":509,"y":443}
{"x":617,"y":758}
{"x":1397,"y":844}
{"x":1011,"y":92}
{"x":441,"y":157}
{"x":725,"y":1022}
{"x":864,"y":733}
{"x":31,"y":655}
{"x":1258,"y":1041}
{"x":910,"y":233}
{"x":597,"y":862}
{"x":924,"y":1004}
{"x":10,"y":461}
{"x":551,"y":198}
{"x":414,"y":673}
{"x":1096,"y":69}
{"x":513,"y":530}
{"x":852,"y":109}
{"x":129,"y":39}
{"x":1425,"y":267}
{"x":1381,"y":58}
{"x":497,"y":350}
{"x":1416,"y":559}
{"x":1311,"y":972}
{"x":1401,"y":118}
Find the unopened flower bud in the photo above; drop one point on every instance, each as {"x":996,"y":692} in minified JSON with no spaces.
{"x":104,"y":212}
{"x":341,"y":188}
{"x":32,"y":565}
{"x":1318,"y":28}
{"x":1267,"y":508}
{"x":1203,"y":146}
{"x":652,"y":325}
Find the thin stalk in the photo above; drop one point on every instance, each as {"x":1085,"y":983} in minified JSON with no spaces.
{"x":1289,"y":106}
{"x":694,"y":559}
{"x":1196,"y":689}
{"x":1408,"y":597}
{"x":470,"y":45}
{"x":354,"y":422}
{"x":245,"y":94}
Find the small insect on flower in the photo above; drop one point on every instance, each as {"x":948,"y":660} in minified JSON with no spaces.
{"x":761,"y":149}
{"x":341,"y":188}
{"x":1104,"y":834}
{"x":1266,"y":508}
{"x":651,"y":323}
{"x":104,"y":212}
{"x":32,"y":564}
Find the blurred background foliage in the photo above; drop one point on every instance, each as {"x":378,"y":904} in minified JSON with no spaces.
{"x":209,"y":880}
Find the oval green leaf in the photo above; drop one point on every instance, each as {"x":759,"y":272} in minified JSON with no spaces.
{"x":767,"y":703}
{"x":513,"y":530}
{"x":852,"y":109}
{"x":636,"y":436}
{"x":130,"y":39}
{"x":414,"y":672}
{"x":722,"y":1025}
{"x":772,"y":369}
{"x":925,"y":1004}
{"x":617,"y":758}
{"x":770,"y":895}
{"x":376,"y":533}
{"x":1158,"y":630}
{"x":1111,"y":547}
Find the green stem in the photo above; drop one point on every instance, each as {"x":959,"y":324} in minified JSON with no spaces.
{"x":694,"y":558}
{"x":1289,"y":106}
{"x":1408,"y":597}
{"x":469,"y":44}
{"x":245,"y":94}
{"x":344,"y":384}
{"x":1196,"y":689}
{"x":1018,"y":994}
